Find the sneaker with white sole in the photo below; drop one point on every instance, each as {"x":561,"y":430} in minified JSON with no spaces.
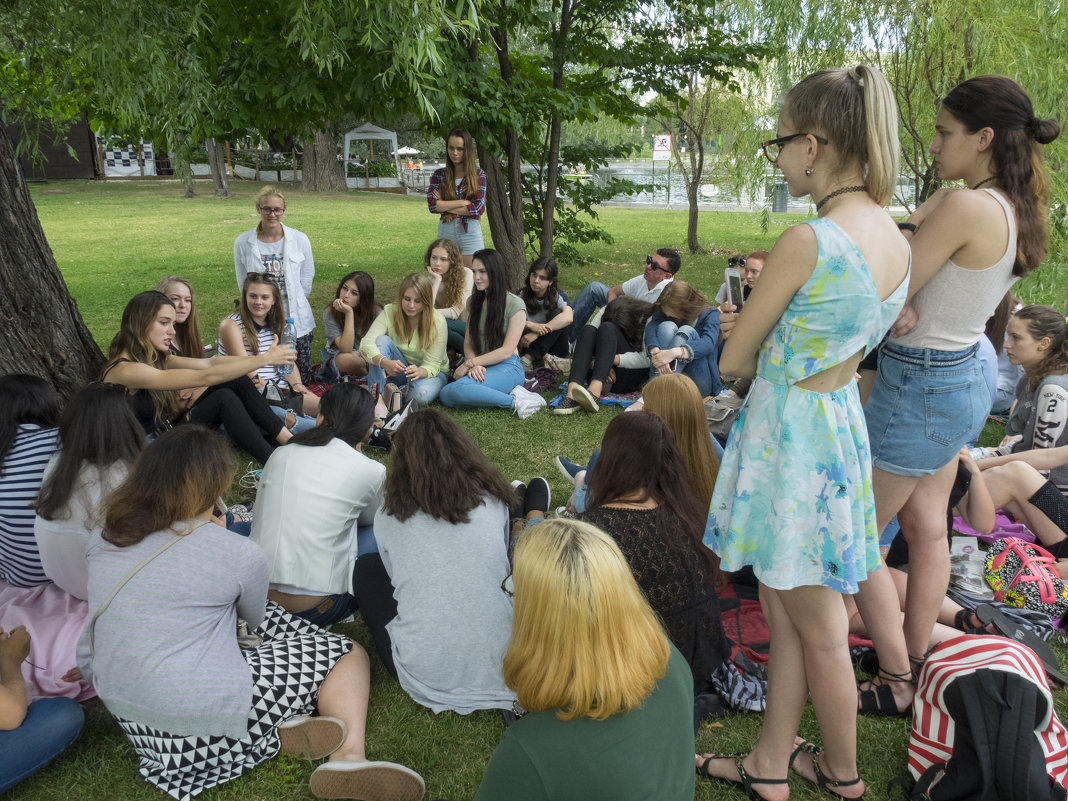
{"x":526,"y":402}
{"x":566,"y":406}
{"x":568,"y":469}
{"x":538,"y":497}
{"x":585,"y":399}
{"x":311,"y":738}
{"x":372,"y":781}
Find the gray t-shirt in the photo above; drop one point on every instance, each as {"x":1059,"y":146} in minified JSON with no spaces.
{"x":542,"y":314}
{"x":453,"y":619}
{"x":166,"y":647}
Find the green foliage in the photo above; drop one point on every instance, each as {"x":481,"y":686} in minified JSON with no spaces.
{"x":543,"y":69}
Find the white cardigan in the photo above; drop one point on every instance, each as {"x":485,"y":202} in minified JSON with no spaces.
{"x":299,"y":272}
{"x":309,"y":503}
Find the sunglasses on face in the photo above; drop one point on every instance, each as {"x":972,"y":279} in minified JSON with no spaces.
{"x":649,"y":262}
{"x":736,"y":261}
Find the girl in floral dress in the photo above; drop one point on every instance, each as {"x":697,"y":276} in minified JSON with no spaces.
{"x":794,"y":498}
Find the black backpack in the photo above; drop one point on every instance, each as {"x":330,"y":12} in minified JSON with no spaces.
{"x":996,"y":753}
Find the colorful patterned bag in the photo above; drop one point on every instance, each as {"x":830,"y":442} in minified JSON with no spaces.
{"x":1022,"y":575}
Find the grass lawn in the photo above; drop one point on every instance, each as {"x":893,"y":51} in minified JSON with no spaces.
{"x":114,"y":240}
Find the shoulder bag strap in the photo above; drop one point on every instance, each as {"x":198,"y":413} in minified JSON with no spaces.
{"x":111,"y":596}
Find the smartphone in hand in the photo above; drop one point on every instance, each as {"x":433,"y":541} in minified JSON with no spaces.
{"x":733,"y":279}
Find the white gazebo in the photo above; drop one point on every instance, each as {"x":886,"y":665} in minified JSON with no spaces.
{"x":372,"y":133}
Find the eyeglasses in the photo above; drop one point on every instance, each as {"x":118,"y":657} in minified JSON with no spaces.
{"x":275,"y":212}
{"x":260,"y":278}
{"x":773,"y":147}
{"x":736,"y":261}
{"x":649,"y":262}
{"x":507,"y":587}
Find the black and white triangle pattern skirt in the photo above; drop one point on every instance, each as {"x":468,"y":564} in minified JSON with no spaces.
{"x":287,"y":671}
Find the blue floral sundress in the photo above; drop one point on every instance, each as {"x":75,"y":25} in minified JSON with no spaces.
{"x":794,"y":495}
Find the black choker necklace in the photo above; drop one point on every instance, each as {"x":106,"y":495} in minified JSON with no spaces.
{"x":845,"y":190}
{"x":985,"y":181}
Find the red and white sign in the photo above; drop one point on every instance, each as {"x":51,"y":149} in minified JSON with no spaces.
{"x":662,"y":147}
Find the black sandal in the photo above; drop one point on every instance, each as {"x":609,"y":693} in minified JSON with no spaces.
{"x":879,"y":699}
{"x":963,"y":621}
{"x":822,"y":779}
{"x":744,"y":778}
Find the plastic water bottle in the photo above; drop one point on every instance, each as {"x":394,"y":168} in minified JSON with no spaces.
{"x":289,"y":337}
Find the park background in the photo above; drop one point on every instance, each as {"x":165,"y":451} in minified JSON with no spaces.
{"x":113,"y":240}
{"x":544,"y":87}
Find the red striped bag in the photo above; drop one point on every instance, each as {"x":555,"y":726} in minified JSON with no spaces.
{"x":933,"y":728}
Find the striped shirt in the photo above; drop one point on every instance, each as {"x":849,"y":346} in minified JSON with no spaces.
{"x":23,"y":472}
{"x":269,"y":372}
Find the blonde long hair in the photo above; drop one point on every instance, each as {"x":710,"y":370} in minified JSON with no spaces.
{"x":187,"y":333}
{"x":584,"y":639}
{"x":423,"y":287}
{"x":675,"y":399}
{"x":856,"y":110}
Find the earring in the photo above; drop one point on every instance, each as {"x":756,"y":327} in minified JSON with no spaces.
{"x":808,"y":171}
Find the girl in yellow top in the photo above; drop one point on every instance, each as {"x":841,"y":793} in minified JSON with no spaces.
{"x":405,"y":346}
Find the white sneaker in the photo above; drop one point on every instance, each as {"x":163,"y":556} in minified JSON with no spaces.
{"x":526,"y":402}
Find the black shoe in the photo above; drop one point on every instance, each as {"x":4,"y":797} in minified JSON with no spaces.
{"x":538,"y":498}
{"x":566,"y":406}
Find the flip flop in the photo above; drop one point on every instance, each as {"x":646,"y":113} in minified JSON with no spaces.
{"x":372,"y":781}
{"x":987,"y":613}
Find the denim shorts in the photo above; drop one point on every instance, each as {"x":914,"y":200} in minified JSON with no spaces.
{"x":468,"y":241}
{"x":925,"y":405}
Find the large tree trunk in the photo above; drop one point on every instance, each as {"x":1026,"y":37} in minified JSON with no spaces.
{"x":504,"y":199}
{"x":43,"y":332}
{"x":552,"y":180}
{"x":217,"y":163}
{"x":504,"y":208}
{"x":323,"y":170}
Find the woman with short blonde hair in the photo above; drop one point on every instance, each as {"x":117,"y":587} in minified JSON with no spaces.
{"x":591,"y":665}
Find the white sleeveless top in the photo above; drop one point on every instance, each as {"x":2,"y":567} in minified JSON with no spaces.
{"x":954,"y":305}
{"x":268,"y":372}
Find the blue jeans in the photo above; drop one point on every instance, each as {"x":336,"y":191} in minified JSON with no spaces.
{"x":592,"y":297}
{"x":468,"y":241}
{"x":457,"y":329}
{"x":51,"y":724}
{"x":423,"y":391}
{"x":242,"y":527}
{"x":329,"y":610}
{"x":500,"y":379}
{"x":303,"y":423}
{"x":699,"y":370}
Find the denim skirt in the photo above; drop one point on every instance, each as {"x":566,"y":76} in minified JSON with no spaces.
{"x":925,"y":405}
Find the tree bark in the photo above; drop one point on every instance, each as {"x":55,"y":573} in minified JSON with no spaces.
{"x":217,"y":163}
{"x":323,"y":170}
{"x":43,"y":332}
{"x":506,"y":222}
{"x":504,"y":197}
